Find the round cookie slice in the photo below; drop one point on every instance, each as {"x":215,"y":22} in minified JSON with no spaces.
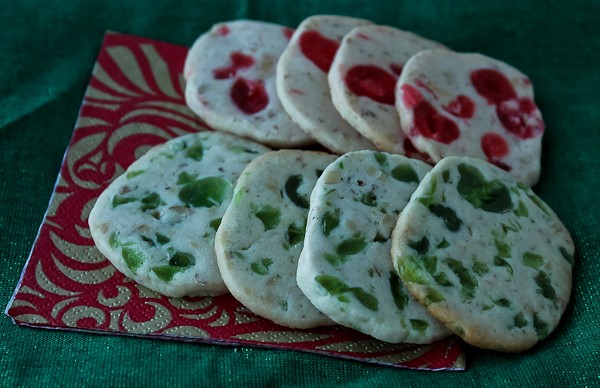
{"x":363,"y":79}
{"x":230,"y":73}
{"x":471,"y":105}
{"x":302,"y":82}
{"x":345,"y":268}
{"x":156,"y":223}
{"x":485,"y":254}
{"x":262,"y":232}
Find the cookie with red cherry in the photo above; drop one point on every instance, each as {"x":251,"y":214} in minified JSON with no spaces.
{"x":468,"y":104}
{"x":230,"y":74}
{"x":363,"y":79}
{"x":302,"y":82}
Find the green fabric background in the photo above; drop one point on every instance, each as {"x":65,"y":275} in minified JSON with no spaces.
{"x":48,"y":49}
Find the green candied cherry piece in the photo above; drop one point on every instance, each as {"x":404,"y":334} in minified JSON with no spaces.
{"x":543,"y":281}
{"x":533,"y":260}
{"x":162,"y":239}
{"x":405,"y":173}
{"x":534,"y":198}
{"x":446,"y":176}
{"x":480,"y":268}
{"x":364,"y":298}
{"x":504,"y":250}
{"x":442,"y":279}
{"x":165,"y":272}
{"x":430,"y":263}
{"x":133,"y":258}
{"x":448,"y":215}
{"x":568,"y":256}
{"x":428,"y":197}
{"x":443,"y":244}
{"x":369,"y":199}
{"x":295,"y":234}
{"x":177,"y":263}
{"x":434,"y":296}
{"x":148,"y":240}
{"x":490,"y":196}
{"x":418,"y":324}
{"x":195,"y":152}
{"x":410,"y":270}
{"x":502,"y":302}
{"x":269,"y":216}
{"x":133,"y":174}
{"x":261,"y":267}
{"x":332,"y":284}
{"x":380,"y":158}
{"x":400,"y":298}
{"x":150,"y":202}
{"x":500,"y":262}
{"x":351,"y":246}
{"x":541,"y":327}
{"x":522,"y":210}
{"x":113,"y":240}
{"x":182,"y":260}
{"x":513,"y":226}
{"x":122,"y":200}
{"x":336,"y":287}
{"x":239,"y":149}
{"x":520,"y":320}
{"x":291,"y":189}
{"x":421,"y":246}
{"x":465,"y":277}
{"x":205,"y":192}
{"x":331,"y":220}
{"x":334,"y":259}
{"x":215,"y":223}
{"x":184,"y":178}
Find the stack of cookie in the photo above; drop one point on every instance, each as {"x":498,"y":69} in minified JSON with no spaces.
{"x":375,"y":239}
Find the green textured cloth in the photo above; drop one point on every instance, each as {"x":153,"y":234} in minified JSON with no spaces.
{"x":48,"y":50}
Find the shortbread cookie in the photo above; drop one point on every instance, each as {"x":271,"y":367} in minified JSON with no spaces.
{"x":230,"y":73}
{"x":262,"y":232}
{"x":345,"y":268}
{"x":302,"y":82}
{"x":485,"y":255}
{"x":363,"y":79}
{"x":156,"y":223}
{"x":471,"y":105}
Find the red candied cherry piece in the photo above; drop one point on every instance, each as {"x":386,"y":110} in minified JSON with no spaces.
{"x":238,"y":61}
{"x":429,"y":123}
{"x":223,"y":30}
{"x":412,"y":152}
{"x":319,"y":49}
{"x":249,"y":96}
{"x":372,"y":82}
{"x":492,"y":85}
{"x":462,"y":106}
{"x":288,"y":32}
{"x":410,"y":95}
{"x":519,"y":117}
{"x":396,"y":69}
{"x":494,"y":145}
